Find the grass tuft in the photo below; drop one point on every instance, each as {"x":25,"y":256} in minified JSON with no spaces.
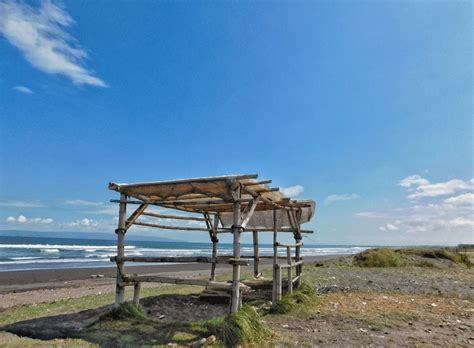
{"x":241,"y":328}
{"x":379,"y":258}
{"x":127,"y":310}
{"x":439,"y":253}
{"x":302,"y":298}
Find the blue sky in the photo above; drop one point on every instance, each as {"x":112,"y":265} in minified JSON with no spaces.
{"x":364,"y":106}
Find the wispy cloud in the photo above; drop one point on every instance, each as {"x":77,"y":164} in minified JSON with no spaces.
{"x":388,"y":227}
{"x":22,"y":219}
{"x":440,"y":212}
{"x":340,"y":197}
{"x":292,"y":191}
{"x":20,"y":204}
{"x":420,"y":187}
{"x":23,"y":89}
{"x":84,"y":223}
{"x":370,"y":215}
{"x":80,"y":202}
{"x":41,"y":36}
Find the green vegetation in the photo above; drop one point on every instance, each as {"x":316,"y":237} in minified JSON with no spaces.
{"x":302,"y":298}
{"x":385,"y":257}
{"x":438,"y":253}
{"x":71,"y":305}
{"x":127,"y":310}
{"x":241,"y":328}
{"x":379,"y":258}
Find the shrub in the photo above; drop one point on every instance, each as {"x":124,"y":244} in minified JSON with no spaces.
{"x":439,"y":253}
{"x":301,"y":298}
{"x":127,"y":310}
{"x":379,"y":258}
{"x":243,"y":327}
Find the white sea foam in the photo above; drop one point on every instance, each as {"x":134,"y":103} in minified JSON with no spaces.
{"x":49,"y":250}
{"x":75,"y":260}
{"x":62,"y":247}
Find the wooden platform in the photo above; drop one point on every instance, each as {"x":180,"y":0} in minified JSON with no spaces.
{"x":260,"y":289}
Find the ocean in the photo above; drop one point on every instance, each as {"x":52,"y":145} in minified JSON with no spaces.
{"x":27,"y":253}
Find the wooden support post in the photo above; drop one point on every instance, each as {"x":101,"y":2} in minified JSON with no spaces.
{"x":235,"y":300}
{"x":278,"y":284}
{"x":290,"y":271}
{"x":119,"y":288}
{"x":275,"y":258}
{"x":299,"y":268}
{"x":256,"y":256}
{"x":215,"y":241}
{"x":136,"y":293}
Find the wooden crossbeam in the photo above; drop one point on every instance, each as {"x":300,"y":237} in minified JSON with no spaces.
{"x":172,"y":228}
{"x":132,"y":278}
{"x":175,"y":217}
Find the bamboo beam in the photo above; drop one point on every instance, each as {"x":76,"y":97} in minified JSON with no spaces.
{"x":290,"y":275}
{"x":215,"y":241}
{"x":261,"y":182}
{"x":249,"y":214}
{"x":132,"y":278}
{"x":135,"y":215}
{"x":183,"y":259}
{"x":235,"y":299}
{"x":288,"y":245}
{"x":173,"y":228}
{"x":278,"y":285}
{"x":115,"y":186}
{"x":175,"y":217}
{"x":136,"y":293}
{"x":294,"y":264}
{"x":256,"y":257}
{"x":275,"y":259}
{"x":119,"y":289}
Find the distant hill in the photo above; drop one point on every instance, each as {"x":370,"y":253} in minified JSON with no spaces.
{"x":81,"y":235}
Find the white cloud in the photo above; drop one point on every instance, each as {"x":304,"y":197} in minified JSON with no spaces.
{"x":413,"y":180}
{"x":340,"y":197}
{"x":421,"y":187}
{"x":20,"y":204}
{"x":388,"y":227}
{"x":21,"y":219}
{"x":464,"y":199}
{"x":370,"y":215}
{"x":81,"y":202}
{"x":84,"y":223}
{"x":41,"y":36}
{"x":292,"y":191}
{"x":447,"y":219}
{"x":23,"y":89}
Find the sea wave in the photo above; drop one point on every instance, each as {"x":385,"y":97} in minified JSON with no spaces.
{"x":62,"y":247}
{"x":71,"y":260}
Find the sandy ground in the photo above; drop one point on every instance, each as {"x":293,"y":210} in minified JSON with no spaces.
{"x":406,"y":306}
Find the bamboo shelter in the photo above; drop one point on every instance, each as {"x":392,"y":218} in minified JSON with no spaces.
{"x":226,"y":204}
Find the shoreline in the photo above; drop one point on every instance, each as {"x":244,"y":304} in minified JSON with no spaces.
{"x":30,"y":280}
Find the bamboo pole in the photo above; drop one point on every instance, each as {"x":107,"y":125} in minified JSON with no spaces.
{"x":136,"y":293}
{"x":119,"y":289}
{"x":278,"y":284}
{"x":256,"y":257}
{"x":174,"y":217}
{"x":299,"y":268}
{"x":215,"y":241}
{"x":235,"y":300}
{"x":275,"y":258}
{"x":290,"y":271}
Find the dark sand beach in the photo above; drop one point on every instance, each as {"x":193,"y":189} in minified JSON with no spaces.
{"x":430,"y":304}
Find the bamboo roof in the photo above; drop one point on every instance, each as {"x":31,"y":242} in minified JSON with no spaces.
{"x":210,"y":195}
